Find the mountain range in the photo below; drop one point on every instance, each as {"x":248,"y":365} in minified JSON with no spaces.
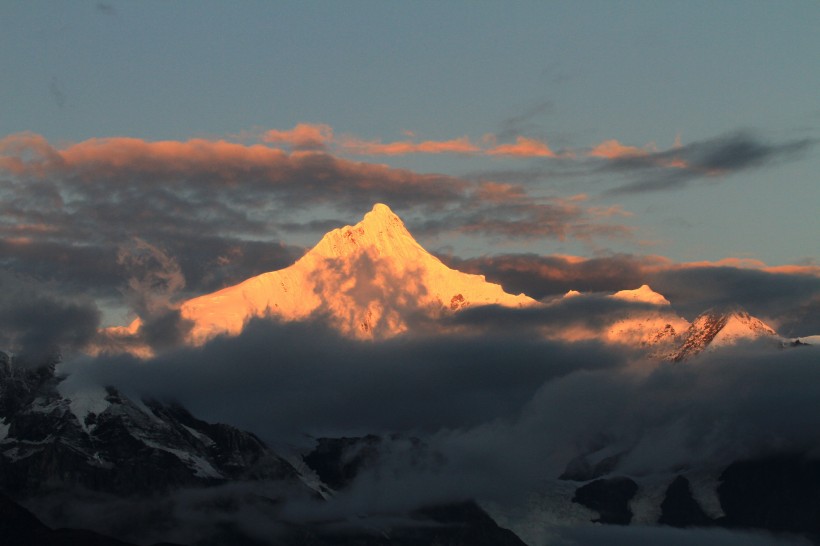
{"x":63,"y":450}
{"x":373,"y":280}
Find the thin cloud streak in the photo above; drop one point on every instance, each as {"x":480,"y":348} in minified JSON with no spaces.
{"x":523,"y":147}
{"x":304,"y":136}
{"x":374,"y":147}
{"x":713,"y":158}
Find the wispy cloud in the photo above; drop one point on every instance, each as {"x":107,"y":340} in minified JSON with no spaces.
{"x":648,"y":167}
{"x":304,"y":136}
{"x":36,"y":321}
{"x":525,"y":219}
{"x":523,"y":147}
{"x":105,"y":8}
{"x":713,"y":158}
{"x":522,"y":123}
{"x":57,"y":93}
{"x":219,"y":207}
{"x":356,"y":146}
{"x":615,"y":151}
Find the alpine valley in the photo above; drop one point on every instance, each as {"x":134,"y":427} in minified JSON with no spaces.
{"x":430,"y":407}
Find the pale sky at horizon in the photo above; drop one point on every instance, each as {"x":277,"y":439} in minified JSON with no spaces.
{"x":735,"y":84}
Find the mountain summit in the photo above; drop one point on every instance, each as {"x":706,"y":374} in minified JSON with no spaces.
{"x":720,"y":328}
{"x":367,"y":280}
{"x":380,"y":229}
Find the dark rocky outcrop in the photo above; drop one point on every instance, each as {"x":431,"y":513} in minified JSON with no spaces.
{"x":128,"y":448}
{"x":456,"y":524}
{"x":779,"y":494}
{"x":680,"y":509}
{"x":142,"y":453}
{"x":609,"y":497}
{"x":19,"y":527}
{"x":337,"y":461}
{"x":581,"y":470}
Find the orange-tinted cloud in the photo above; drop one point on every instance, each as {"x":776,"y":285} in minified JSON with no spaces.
{"x":523,"y":147}
{"x":614,"y":150}
{"x":200,"y":185}
{"x":610,"y":211}
{"x":200,"y":165}
{"x":495,"y":192}
{"x":17,"y":150}
{"x":813,"y":270}
{"x":228,"y":191}
{"x":617,"y":272}
{"x":304,"y":136}
{"x":403,"y":147}
{"x":751,"y":263}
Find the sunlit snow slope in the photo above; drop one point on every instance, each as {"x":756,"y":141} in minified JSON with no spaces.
{"x":367,"y":279}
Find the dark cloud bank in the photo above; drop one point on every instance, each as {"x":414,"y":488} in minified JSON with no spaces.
{"x":36,"y":322}
{"x":498,"y":413}
{"x":715,"y":157}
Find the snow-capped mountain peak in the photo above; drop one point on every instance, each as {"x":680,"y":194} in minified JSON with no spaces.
{"x":719,"y":328}
{"x":380,"y":230}
{"x":655,"y":327}
{"x":643,"y":294}
{"x":366,"y":279}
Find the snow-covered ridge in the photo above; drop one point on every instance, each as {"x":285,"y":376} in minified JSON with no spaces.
{"x":714,"y":329}
{"x":653,"y":324}
{"x":53,"y":432}
{"x":642,"y":294}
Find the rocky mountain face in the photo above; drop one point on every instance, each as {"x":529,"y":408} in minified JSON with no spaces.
{"x":650,"y":323}
{"x":108,"y":442}
{"x":102,"y":447}
{"x":671,"y":337}
{"x":779,"y":494}
{"x":657,"y":327}
{"x":714,"y":329}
